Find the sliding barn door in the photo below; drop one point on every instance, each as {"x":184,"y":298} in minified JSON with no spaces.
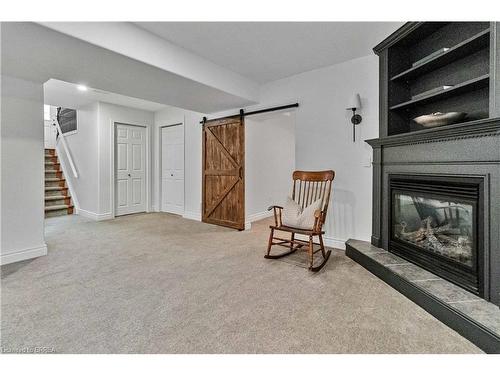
{"x":224,"y":172}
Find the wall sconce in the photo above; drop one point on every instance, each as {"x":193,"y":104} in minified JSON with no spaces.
{"x":353,"y":105}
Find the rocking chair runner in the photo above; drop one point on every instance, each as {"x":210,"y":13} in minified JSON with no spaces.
{"x":308,"y":187}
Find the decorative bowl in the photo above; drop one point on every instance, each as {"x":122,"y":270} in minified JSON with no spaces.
{"x":439,"y":119}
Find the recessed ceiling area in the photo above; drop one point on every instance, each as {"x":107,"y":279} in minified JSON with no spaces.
{"x":70,"y":95}
{"x":33,"y":52}
{"x":267,"y":51}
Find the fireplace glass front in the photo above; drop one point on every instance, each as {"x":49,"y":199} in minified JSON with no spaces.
{"x":440,"y":226}
{"x":434,"y":223}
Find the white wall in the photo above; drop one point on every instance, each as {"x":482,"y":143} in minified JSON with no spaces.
{"x":22,"y":158}
{"x":324,"y":137}
{"x":269,"y":162}
{"x":192,"y":157}
{"x":83,"y":146}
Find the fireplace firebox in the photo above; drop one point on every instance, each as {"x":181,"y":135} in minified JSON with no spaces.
{"x":436,"y":222}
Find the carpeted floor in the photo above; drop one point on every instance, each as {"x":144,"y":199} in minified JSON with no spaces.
{"x":157,"y":283}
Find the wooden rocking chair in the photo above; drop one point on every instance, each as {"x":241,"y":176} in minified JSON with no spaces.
{"x":308,"y":187}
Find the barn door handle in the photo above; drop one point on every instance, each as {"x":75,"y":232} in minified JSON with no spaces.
{"x":240,"y":172}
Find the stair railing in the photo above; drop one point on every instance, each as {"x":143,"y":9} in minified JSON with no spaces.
{"x":66,"y":148}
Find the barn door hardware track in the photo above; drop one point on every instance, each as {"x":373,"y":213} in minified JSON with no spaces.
{"x":243,"y":113}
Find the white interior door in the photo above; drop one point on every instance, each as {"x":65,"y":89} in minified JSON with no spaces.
{"x":172,"y":169}
{"x":130,"y":173}
{"x":50,"y":134}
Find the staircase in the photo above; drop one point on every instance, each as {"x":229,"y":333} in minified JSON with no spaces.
{"x":57,"y":198}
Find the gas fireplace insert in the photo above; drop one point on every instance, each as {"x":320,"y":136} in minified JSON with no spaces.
{"x":435,"y":222}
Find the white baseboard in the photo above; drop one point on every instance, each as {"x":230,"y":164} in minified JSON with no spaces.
{"x":175,"y":212}
{"x":191,"y":215}
{"x":94,"y":216}
{"x":256,"y":217}
{"x":259,"y":216}
{"x":334,"y":242}
{"x":329,"y":241}
{"x":17,"y":256}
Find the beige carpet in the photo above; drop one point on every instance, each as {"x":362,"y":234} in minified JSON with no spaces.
{"x":157,"y":283}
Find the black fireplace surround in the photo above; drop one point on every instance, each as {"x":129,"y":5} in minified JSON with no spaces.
{"x":457,"y":166}
{"x":436,"y":222}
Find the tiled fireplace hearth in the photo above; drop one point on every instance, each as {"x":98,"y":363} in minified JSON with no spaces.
{"x":436,"y":191}
{"x":465,"y":312}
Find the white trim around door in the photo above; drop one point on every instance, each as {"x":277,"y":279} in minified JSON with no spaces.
{"x":171,"y":162}
{"x":145,"y":130}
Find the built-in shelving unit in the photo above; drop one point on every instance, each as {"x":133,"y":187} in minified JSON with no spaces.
{"x":464,"y":66}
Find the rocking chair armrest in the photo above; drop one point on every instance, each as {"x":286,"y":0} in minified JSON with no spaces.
{"x":318,"y":220}
{"x":272,"y":207}
{"x":277,"y":214}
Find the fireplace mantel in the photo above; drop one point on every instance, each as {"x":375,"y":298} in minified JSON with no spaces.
{"x":480,"y":128}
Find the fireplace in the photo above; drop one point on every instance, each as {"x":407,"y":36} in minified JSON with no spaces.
{"x":436,"y":222}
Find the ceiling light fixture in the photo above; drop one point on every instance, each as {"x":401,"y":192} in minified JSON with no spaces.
{"x":82,"y":87}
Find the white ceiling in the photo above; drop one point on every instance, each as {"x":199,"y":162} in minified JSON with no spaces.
{"x":65,"y":94}
{"x":33,"y":52}
{"x":267,"y":51}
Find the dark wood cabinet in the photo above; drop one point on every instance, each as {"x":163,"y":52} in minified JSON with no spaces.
{"x":421,"y":57}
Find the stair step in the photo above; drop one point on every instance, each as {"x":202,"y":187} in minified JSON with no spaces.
{"x":52,"y":188}
{"x":56,"y":197}
{"x":58,"y":207}
{"x":54,"y":179}
{"x":58,"y":202}
{"x":52,"y":167}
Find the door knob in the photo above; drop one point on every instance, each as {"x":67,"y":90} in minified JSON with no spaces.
{"x":171,"y":175}
{"x":129,"y":174}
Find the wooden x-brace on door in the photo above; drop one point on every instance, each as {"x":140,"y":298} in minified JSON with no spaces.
{"x":223,"y":200}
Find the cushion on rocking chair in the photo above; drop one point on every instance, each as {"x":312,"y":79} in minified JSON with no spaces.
{"x":293,"y":215}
